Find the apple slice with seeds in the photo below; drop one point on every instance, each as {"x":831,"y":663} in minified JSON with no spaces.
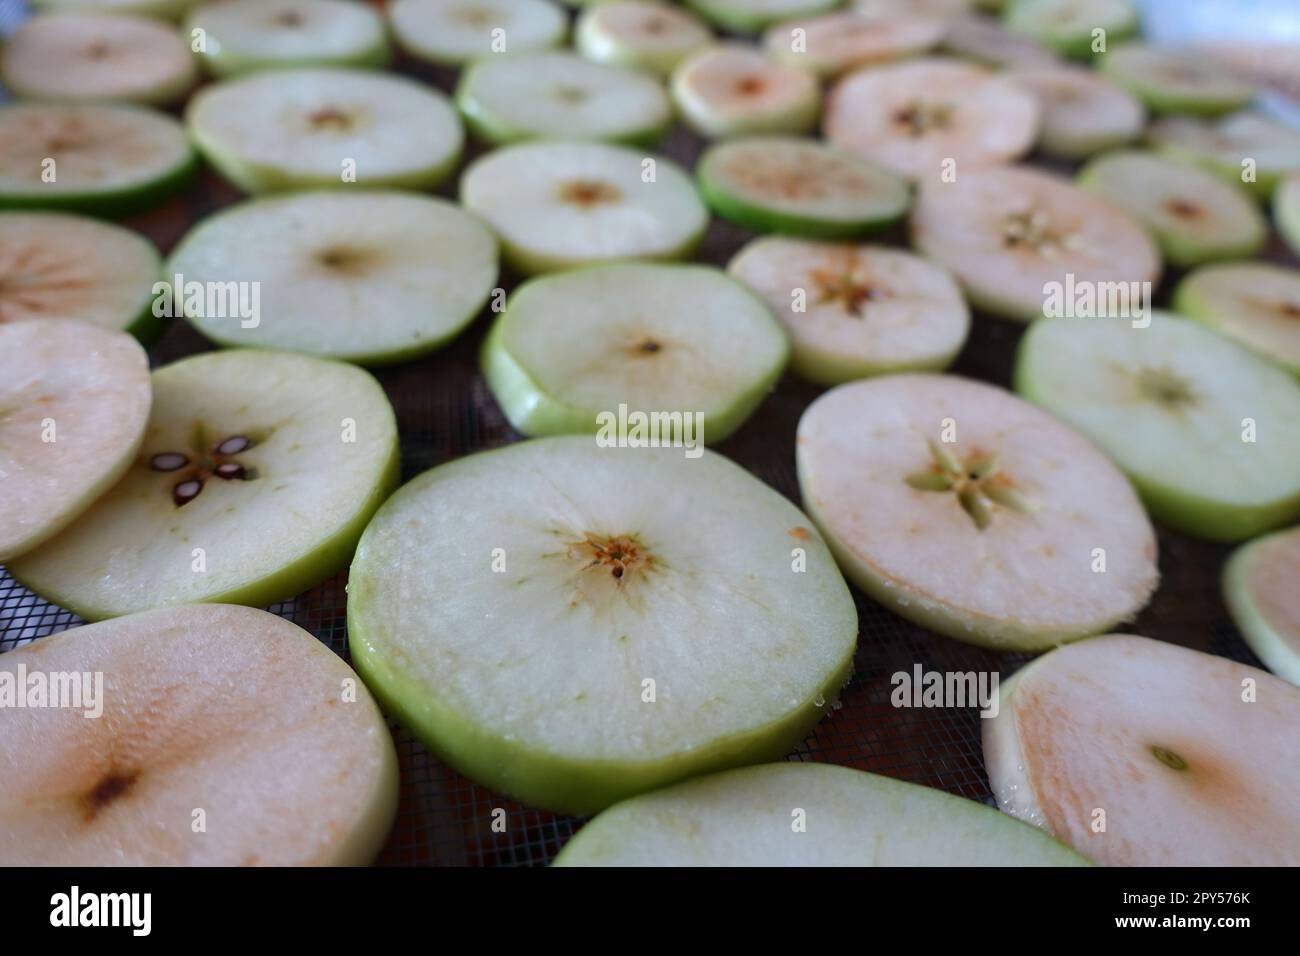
{"x":854,"y":311}
{"x":319,"y":127}
{"x":373,"y":277}
{"x":555,"y":205}
{"x":1259,"y":589}
{"x":1206,"y":431}
{"x":1286,"y":211}
{"x":74,"y":400}
{"x":986,"y":41}
{"x":1164,"y":741}
{"x":1174,"y":81}
{"x":734,"y":90}
{"x":1256,"y":304}
{"x":751,"y":16}
{"x":640,"y":35}
{"x":991,"y":538}
{"x":257,"y":474}
{"x":834,"y":43}
{"x":1082,"y":112}
{"x":915,"y":117}
{"x":228,"y":710}
{"x":453,"y":32}
{"x":1230,"y":145}
{"x":1067,"y":26}
{"x":742,"y":818}
{"x":623,"y":618}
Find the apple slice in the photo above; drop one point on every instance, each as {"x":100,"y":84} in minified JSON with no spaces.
{"x":623,"y":618}
{"x":1259,"y":589}
{"x":245,"y":35}
{"x":1067,"y":25}
{"x":452,"y":32}
{"x":1286,"y":211}
{"x":901,"y":9}
{"x":918,"y":116}
{"x":159,"y":9}
{"x":1254,"y":303}
{"x":640,"y":35}
{"x":73,"y":56}
{"x":734,"y":90}
{"x":854,"y":311}
{"x":317,"y":127}
{"x":1207,"y":431}
{"x":225,"y":716}
{"x":1162,"y":749}
{"x":555,"y":205}
{"x":751,"y":16}
{"x":1246,"y":149}
{"x":257,"y":474}
{"x":992,"y":538}
{"x":678,"y":339}
{"x":1194,"y":216}
{"x":105,"y":159}
{"x":747,"y":817}
{"x":1082,"y":113}
{"x":834,"y":43}
{"x":1007,"y":234}
{"x":1175,"y":81}
{"x":800,"y":187}
{"x":986,"y":41}
{"x":74,"y":400}
{"x":557,"y":95}
{"x":373,"y":277}
{"x":55,"y":265}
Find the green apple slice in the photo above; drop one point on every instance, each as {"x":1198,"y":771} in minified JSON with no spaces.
{"x":1174,"y":81}
{"x":623,"y":618}
{"x":257,"y":474}
{"x":734,"y":90}
{"x":1194,"y":216}
{"x":1255,"y":304}
{"x":834,"y":43}
{"x":55,"y":265}
{"x":372,"y":277}
{"x":74,"y":400}
{"x":1246,"y":149}
{"x":557,"y":95}
{"x":677,"y":339}
{"x":224,"y":716}
{"x":991,"y":538}
{"x":639,"y":34}
{"x":159,"y":9}
{"x":1082,"y":112}
{"x":1067,"y":25}
{"x":747,"y":817}
{"x":104,"y":159}
{"x":919,"y":117}
{"x":1162,"y":749}
{"x":1286,"y":211}
{"x":318,"y":127}
{"x":986,"y":41}
{"x":1259,"y":589}
{"x":854,"y":311}
{"x":244,"y":35}
{"x":1206,"y":431}
{"x":800,"y":187}
{"x":452,"y":32}
{"x":555,"y":205}
{"x":1009,"y":234}
{"x":751,"y":16}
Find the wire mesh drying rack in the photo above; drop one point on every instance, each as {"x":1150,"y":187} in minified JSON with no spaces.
{"x":444,"y":411}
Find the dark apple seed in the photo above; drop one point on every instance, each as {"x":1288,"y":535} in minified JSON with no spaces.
{"x":233,"y":445}
{"x":186,"y":491}
{"x":230,"y":471}
{"x":168,"y":461}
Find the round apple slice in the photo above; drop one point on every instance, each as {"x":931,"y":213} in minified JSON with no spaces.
{"x":1067,"y":25}
{"x":556,"y":95}
{"x":919,"y":116}
{"x":733,"y":90}
{"x":992,"y":538}
{"x":1194,"y":216}
{"x":674,"y":339}
{"x":1246,"y":149}
{"x":72,"y":56}
{"x":855,"y":311}
{"x":1254,"y":303}
{"x":1082,"y":113}
{"x":257,"y":474}
{"x":246,"y":35}
{"x":1286,"y":211}
{"x":452,"y":32}
{"x":986,"y":41}
{"x":294,"y":129}
{"x":1010,"y":234}
{"x":225,"y":714}
{"x":800,"y":187}
{"x":1161,"y":742}
{"x":640,"y":35}
{"x":834,"y":43}
{"x":103,"y":159}
{"x":1259,"y":589}
{"x":159,"y":9}
{"x":1173,"y":81}
{"x":624,"y":618}
{"x":751,"y":16}
{"x":74,"y":399}
{"x":54,"y":265}
{"x":743,"y":818}
{"x":372,"y":277}
{"x":1206,"y":431}
{"x":555,"y":205}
